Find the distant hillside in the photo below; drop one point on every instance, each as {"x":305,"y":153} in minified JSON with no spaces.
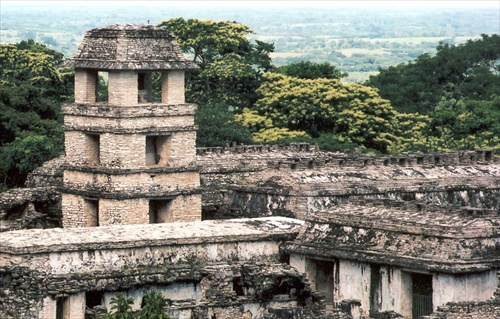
{"x":357,"y":40}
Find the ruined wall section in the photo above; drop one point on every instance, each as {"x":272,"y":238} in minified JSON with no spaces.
{"x":50,"y":174}
{"x":449,"y":240}
{"x":299,"y":181}
{"x":236,"y":265}
{"x":28,"y":208}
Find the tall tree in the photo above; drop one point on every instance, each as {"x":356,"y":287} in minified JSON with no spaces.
{"x":352,"y":112}
{"x":467,"y":71}
{"x":31,"y":91}
{"x":230,"y":65}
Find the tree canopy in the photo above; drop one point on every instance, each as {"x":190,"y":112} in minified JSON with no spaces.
{"x":311,"y":70}
{"x":354,"y":113}
{"x":230,"y":65}
{"x":31,"y":91}
{"x":466,"y":71}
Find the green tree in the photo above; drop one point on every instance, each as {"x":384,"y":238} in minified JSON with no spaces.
{"x":230,"y":65}
{"x":31,"y":92}
{"x":466,"y":71}
{"x":354,"y":113}
{"x":311,"y":70}
{"x":218,"y":127}
{"x":154,"y":306}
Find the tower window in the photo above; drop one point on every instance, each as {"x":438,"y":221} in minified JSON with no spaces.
{"x":159,"y":210}
{"x":102,"y":86}
{"x":92,"y":148}
{"x":158,"y":149}
{"x":91,"y":211}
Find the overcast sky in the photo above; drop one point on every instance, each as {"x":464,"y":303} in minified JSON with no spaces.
{"x":288,"y":3}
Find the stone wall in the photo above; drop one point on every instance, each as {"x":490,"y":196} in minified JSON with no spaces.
{"x":122,"y":133}
{"x":234,"y":263}
{"x":48,"y":175}
{"x":27,"y":208}
{"x":299,"y":181}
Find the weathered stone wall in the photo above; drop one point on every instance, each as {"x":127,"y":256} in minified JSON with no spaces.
{"x":182,"y":208}
{"x":85,"y":86}
{"x":27,"y":208}
{"x":130,"y":183}
{"x":235,"y":263}
{"x":299,"y":181}
{"x":449,"y":242}
{"x":122,"y":88}
{"x":173,"y":87}
{"x":122,"y":133}
{"x":48,"y":175}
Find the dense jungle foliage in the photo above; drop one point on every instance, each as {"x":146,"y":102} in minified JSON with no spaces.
{"x":448,"y":101}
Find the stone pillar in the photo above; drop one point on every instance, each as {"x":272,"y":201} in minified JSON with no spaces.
{"x":75,"y":306}
{"x":123,"y":88}
{"x":48,"y":310}
{"x":172,"y":87}
{"x":86,"y":86}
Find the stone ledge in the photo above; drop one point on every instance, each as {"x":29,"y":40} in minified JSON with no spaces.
{"x":130,"y":236}
{"x":157,"y":169}
{"x":106,"y":110}
{"x":146,"y":130}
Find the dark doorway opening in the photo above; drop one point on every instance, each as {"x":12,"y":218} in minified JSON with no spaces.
{"x":94,"y":298}
{"x":422,"y":295}
{"x":325,"y":279}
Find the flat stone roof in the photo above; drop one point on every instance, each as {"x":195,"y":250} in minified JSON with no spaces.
{"x":450,"y":221}
{"x":452,"y":240}
{"x":129,"y":236}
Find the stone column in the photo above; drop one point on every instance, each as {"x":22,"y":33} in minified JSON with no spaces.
{"x":172,"y":87}
{"x":85,"y":86}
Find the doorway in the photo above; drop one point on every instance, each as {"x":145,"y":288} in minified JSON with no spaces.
{"x":421,"y":295}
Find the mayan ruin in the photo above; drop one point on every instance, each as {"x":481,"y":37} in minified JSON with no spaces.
{"x":242,"y":231}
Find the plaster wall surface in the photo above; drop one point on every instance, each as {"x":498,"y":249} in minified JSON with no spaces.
{"x":353,"y":282}
{"x":391,"y":289}
{"x":467,"y":287}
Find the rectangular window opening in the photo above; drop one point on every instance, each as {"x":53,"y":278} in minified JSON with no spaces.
{"x":239,"y":286}
{"x":62,"y":308}
{"x":488,"y":156}
{"x":91,"y":211}
{"x":93,"y":148}
{"x":421,"y":295}
{"x":160,"y":211}
{"x":94,"y":298}
{"x":158,"y":149}
{"x":102,"y":86}
{"x":325,"y":279}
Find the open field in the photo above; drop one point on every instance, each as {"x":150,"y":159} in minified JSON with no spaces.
{"x":358,"y":41}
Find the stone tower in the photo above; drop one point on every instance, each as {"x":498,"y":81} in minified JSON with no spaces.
{"x":131,"y":160}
